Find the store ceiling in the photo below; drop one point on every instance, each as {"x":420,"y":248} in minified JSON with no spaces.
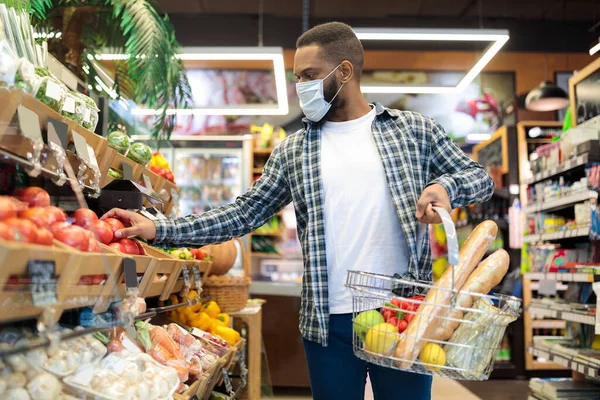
{"x":561,"y":10}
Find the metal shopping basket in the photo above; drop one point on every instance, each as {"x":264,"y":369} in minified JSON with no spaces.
{"x":454,"y":342}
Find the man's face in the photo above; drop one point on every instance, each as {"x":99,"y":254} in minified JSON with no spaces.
{"x":309,"y":64}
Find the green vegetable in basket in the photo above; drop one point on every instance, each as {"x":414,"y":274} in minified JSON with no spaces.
{"x":22,"y":84}
{"x":73,"y":108}
{"x":140,"y":153}
{"x":115,"y":174}
{"x":119,"y":141}
{"x":51,"y":93}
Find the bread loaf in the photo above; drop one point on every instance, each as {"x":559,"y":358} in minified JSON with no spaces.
{"x":438,"y":297}
{"x":488,"y":274}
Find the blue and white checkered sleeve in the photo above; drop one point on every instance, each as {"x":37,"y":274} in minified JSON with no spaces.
{"x":269,"y":194}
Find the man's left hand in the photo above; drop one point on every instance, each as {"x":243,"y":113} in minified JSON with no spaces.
{"x":433,"y":196}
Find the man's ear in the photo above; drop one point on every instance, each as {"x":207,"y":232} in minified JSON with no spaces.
{"x":347,"y":71}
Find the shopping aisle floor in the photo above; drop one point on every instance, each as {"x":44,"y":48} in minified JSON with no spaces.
{"x":445,"y":389}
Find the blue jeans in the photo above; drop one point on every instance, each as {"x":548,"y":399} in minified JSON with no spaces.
{"x":336,"y":373}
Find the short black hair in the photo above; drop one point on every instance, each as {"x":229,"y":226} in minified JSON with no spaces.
{"x":338,"y":41}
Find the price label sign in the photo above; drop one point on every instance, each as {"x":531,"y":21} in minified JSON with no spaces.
{"x":197,"y":278}
{"x":147,"y":183}
{"x":130,"y":273}
{"x":93,"y":161}
{"x":186,"y":276}
{"x":58,"y":133}
{"x":42,"y":274}
{"x":29,"y":123}
{"x":81,"y":147}
{"x":127,"y":171}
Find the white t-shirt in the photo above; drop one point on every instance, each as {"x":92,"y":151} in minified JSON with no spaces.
{"x":362,"y":228}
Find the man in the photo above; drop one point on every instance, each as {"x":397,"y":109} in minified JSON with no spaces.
{"x":361,"y":177}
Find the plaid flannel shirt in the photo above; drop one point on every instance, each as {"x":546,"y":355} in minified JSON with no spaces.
{"x":415,"y":152}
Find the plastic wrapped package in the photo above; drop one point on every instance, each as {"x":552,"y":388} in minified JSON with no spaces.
{"x":8,"y":66}
{"x":211,"y":343}
{"x":126,"y":375}
{"x":481,"y":329}
{"x":131,"y":306}
{"x":73,"y":108}
{"x":90,"y":113}
{"x":25,"y":76}
{"x":50,"y":91}
{"x":197,"y":357}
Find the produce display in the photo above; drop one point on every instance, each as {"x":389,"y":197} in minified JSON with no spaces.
{"x":189,"y":254}
{"x":119,"y":141}
{"x":160,"y":166}
{"x":140,"y":153}
{"x":436,"y":328}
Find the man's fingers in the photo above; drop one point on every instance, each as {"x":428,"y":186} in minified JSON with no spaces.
{"x":116,"y":213}
{"x":422,"y":204}
{"x":127,"y":232}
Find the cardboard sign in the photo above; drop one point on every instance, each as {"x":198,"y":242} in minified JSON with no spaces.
{"x":81,"y":147}
{"x":93,"y":161}
{"x":130,"y":273}
{"x":43,"y":282}
{"x":58,"y":133}
{"x":127,"y":171}
{"x":29,"y":123}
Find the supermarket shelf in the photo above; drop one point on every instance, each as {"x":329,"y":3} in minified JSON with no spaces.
{"x":566,"y":234}
{"x":549,"y":324}
{"x":504,"y":370}
{"x":574,"y":162}
{"x":566,"y":362}
{"x":541,"y":310}
{"x":263,"y":151}
{"x":503,"y":193}
{"x":259,"y":254}
{"x":561,"y":276}
{"x":559,"y":286}
{"x":561,"y":202}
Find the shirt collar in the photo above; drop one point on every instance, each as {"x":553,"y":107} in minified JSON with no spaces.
{"x":379,"y":110}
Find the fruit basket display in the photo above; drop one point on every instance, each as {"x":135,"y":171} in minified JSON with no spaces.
{"x":452,"y":328}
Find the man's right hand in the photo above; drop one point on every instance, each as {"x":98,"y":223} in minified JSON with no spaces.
{"x":136,"y":225}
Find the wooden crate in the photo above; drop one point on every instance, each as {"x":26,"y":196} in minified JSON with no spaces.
{"x":144,"y":266}
{"x":114,"y":160}
{"x":168,"y":266}
{"x":168,"y":187}
{"x":108,"y":263}
{"x":200,"y":388}
{"x":17,"y":304}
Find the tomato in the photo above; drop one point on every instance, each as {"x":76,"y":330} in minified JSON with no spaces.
{"x":402,"y":324}
{"x":102,"y":230}
{"x":387,"y":313}
{"x":128,"y":246}
{"x":84,"y":217}
{"x":200,"y":254}
{"x":10,"y":207}
{"x":37,"y":215}
{"x":115,"y":224}
{"x":396,"y":302}
{"x":140,"y":248}
{"x":34,"y":196}
{"x":55,"y":214}
{"x":409,"y":317}
{"x":26,"y":231}
{"x":74,"y":236}
{"x":93,"y":246}
{"x":169,"y":176}
{"x":394,"y":321}
{"x":58,"y":226}
{"x":44,"y":237}
{"x":6,"y":232}
{"x":117,"y":246}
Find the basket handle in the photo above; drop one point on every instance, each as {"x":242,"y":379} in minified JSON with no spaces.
{"x":451,"y":238}
{"x":245,"y":259}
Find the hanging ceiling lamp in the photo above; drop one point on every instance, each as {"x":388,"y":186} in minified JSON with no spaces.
{"x":546,"y":97}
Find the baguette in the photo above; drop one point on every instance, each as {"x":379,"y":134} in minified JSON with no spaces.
{"x":488,"y":274}
{"x":438,"y":297}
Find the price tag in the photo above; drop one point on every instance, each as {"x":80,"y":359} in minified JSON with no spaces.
{"x":58,"y":133}
{"x":29,"y":123}
{"x":130,"y":273}
{"x":227,"y":381}
{"x":69,"y":105}
{"x":197,"y":278}
{"x":81,"y":147}
{"x":186,"y":276}
{"x":93,"y":161}
{"x":43,"y":282}
{"x":147,"y":183}
{"x":127,"y":171}
{"x":547,"y":287}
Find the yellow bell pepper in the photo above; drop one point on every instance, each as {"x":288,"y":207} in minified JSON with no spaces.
{"x":231,"y":336}
{"x":225,"y":318}
{"x":214,"y":322}
{"x":201,"y":321}
{"x":212,"y":309}
{"x":193,"y":295}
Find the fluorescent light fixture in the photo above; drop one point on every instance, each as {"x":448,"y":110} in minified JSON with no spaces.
{"x":595,"y":49}
{"x":478,"y":137}
{"x":497,"y":38}
{"x":274,"y":54}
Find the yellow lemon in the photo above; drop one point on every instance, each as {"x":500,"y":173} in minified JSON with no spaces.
{"x":439,"y":266}
{"x":433,"y":354}
{"x":381,"y":338}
